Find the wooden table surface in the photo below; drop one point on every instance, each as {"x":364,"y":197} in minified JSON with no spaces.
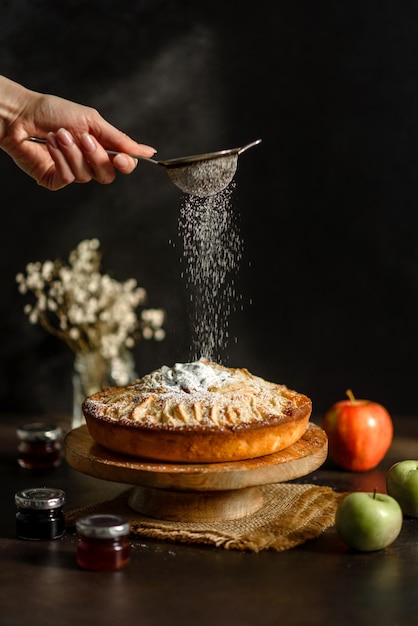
{"x":319,"y":582}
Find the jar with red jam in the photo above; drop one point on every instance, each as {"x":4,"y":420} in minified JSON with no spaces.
{"x":39,"y":445}
{"x":103,"y":542}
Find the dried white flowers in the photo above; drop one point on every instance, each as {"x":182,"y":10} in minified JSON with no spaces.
{"x":88,"y":310}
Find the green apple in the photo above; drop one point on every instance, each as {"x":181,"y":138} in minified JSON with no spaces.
{"x":402,"y":484}
{"x":368,"y":521}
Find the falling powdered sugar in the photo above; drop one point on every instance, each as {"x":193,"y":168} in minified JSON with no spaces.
{"x":212,"y":252}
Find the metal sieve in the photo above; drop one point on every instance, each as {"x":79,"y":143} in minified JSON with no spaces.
{"x":199,"y":175}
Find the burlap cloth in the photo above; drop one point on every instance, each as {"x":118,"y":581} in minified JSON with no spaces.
{"x":291,"y":514}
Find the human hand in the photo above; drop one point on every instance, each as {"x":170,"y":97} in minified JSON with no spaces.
{"x":77,"y":138}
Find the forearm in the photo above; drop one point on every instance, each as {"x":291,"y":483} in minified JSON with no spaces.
{"x":13,"y":99}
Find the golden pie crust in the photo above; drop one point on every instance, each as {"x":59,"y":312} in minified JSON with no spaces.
{"x":217,"y":414}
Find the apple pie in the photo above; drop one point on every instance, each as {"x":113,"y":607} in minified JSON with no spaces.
{"x":197,"y":412}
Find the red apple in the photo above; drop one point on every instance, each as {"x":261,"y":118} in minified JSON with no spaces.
{"x":359,"y":433}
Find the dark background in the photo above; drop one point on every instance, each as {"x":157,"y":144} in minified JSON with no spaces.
{"x":327,"y":204}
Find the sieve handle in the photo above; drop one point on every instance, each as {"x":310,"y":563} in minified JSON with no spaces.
{"x":249,"y":145}
{"x":112,"y":152}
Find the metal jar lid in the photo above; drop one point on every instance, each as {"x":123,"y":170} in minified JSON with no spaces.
{"x":103,"y":526}
{"x":42,"y":498}
{"x":39,"y":431}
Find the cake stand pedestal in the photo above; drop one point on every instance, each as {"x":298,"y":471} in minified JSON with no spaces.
{"x":201,"y":491}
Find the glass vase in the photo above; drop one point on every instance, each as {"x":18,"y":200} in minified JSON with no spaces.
{"x":92,"y":373}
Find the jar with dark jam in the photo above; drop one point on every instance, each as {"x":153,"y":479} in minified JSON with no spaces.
{"x":39,"y":446}
{"x":103,"y":542}
{"x":40,"y":513}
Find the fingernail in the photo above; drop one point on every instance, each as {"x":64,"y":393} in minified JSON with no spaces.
{"x":121,"y":160}
{"x":149,"y":150}
{"x":87,"y":142}
{"x":65,"y":137}
{"x":52,"y":140}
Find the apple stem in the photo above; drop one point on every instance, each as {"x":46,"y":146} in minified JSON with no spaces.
{"x":350,"y":395}
{"x":374,"y":493}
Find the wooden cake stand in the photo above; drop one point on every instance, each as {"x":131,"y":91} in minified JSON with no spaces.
{"x":197,"y":492}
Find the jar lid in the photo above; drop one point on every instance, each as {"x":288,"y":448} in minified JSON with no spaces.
{"x":39,"y":431}
{"x":103,"y":526}
{"x":40,"y":498}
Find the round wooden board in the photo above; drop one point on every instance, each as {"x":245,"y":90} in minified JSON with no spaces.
{"x":303,"y":457}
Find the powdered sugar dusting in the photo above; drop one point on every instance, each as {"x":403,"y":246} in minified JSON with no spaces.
{"x":196,"y":376}
{"x":193,"y":394}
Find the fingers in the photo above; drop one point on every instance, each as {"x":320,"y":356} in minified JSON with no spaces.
{"x":114,"y":139}
{"x":124,"y":163}
{"x":84,"y":161}
{"x":97,"y":159}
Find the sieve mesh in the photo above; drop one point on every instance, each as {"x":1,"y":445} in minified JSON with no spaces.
{"x":206,"y":177}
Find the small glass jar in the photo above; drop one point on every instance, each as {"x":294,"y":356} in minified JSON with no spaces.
{"x":103,"y":542}
{"x":40,"y":445}
{"x":40,"y":513}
